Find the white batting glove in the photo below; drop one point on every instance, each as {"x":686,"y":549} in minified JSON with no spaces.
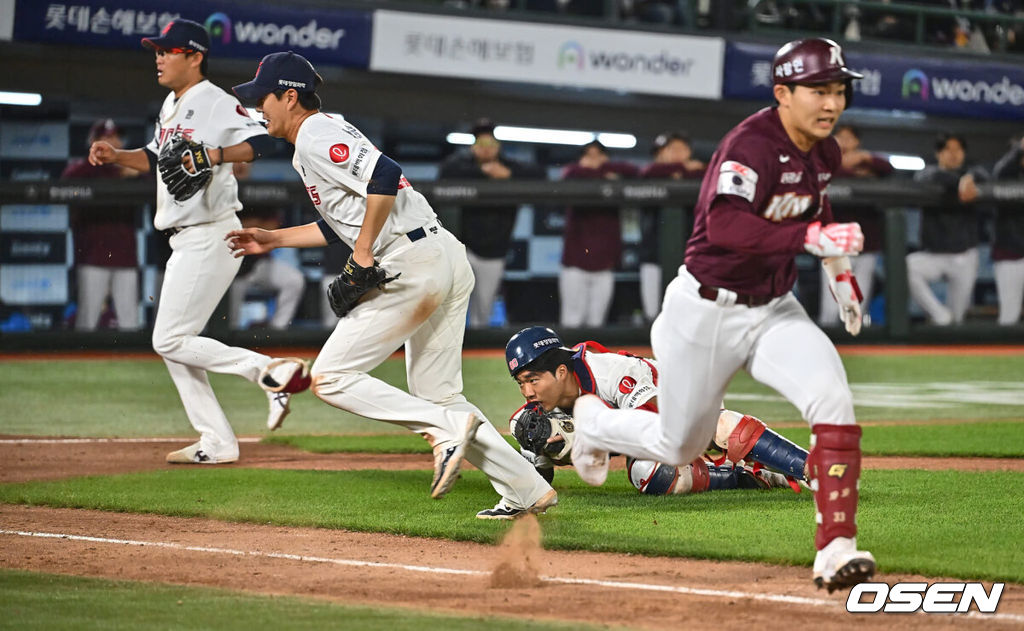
{"x":843,"y":285}
{"x":834,"y":239}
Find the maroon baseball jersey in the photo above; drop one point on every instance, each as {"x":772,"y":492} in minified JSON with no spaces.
{"x":758,"y":196}
{"x":104,"y":236}
{"x":592,"y":239}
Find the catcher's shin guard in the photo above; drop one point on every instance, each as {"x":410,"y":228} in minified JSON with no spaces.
{"x":751,"y":440}
{"x":718,"y":477}
{"x":835,"y":479}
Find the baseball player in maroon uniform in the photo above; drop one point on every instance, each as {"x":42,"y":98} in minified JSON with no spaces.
{"x":762,"y":202}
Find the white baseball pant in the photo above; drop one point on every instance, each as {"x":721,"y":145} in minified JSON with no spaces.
{"x":196,"y":277}
{"x":286,"y":280}
{"x":488,"y":273}
{"x":95,"y":283}
{"x":650,"y":289}
{"x":700,"y":345}
{"x":585,"y":296}
{"x":1010,"y":287}
{"x":960,"y":271}
{"x":424,"y":309}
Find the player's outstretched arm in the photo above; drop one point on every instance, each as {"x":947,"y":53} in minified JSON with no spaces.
{"x":102,"y":152}
{"x":249,"y":241}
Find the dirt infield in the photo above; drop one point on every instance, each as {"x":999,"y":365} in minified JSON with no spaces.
{"x":377,"y":569}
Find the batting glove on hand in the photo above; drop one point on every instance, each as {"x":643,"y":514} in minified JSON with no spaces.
{"x":835,"y":239}
{"x":843,"y":285}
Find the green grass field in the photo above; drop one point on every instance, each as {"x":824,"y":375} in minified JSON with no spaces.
{"x":46,"y":601}
{"x":136,"y":398}
{"x":937,"y":523}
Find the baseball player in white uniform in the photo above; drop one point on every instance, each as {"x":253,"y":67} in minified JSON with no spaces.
{"x":552,"y":377}
{"x":200,"y":270}
{"x":762,"y":202}
{"x":364,"y":200}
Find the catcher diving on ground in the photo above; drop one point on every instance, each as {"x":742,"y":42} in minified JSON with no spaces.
{"x":744,"y":453}
{"x":407,"y":282}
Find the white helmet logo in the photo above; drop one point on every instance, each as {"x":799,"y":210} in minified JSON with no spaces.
{"x":835,"y":56}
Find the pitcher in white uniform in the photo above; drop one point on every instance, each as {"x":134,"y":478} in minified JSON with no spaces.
{"x":364,"y":200}
{"x":199,"y":271}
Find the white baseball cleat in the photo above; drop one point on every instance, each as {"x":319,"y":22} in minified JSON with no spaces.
{"x":448,"y":460}
{"x":279,"y":408}
{"x":591,"y":464}
{"x":840,"y":564}
{"x":285,"y":374}
{"x":194,"y":454}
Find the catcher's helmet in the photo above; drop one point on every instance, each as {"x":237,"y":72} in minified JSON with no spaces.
{"x":529,"y":344}
{"x":813,"y":60}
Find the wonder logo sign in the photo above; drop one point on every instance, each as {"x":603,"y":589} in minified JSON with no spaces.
{"x":308,"y":35}
{"x":917,"y":85}
{"x":571,"y":55}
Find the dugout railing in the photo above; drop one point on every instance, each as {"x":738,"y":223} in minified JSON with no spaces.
{"x":673,"y":198}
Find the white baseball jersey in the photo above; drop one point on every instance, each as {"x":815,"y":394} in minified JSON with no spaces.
{"x":206,"y":114}
{"x":336,"y":161}
{"x":622,"y":381}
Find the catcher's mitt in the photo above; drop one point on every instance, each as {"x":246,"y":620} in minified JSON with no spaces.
{"x":181,"y":183}
{"x":354,"y":281}
{"x":533,"y":427}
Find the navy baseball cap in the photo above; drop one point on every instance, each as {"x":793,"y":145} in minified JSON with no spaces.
{"x":280,"y":71}
{"x":180,"y":36}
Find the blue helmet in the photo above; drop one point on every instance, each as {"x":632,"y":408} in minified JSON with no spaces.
{"x":527,"y":345}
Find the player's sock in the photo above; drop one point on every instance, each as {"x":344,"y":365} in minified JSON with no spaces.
{"x":834,"y":464}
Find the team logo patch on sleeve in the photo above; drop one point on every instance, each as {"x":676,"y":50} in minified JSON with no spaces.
{"x":626,"y":385}
{"x":339,"y":153}
{"x":737,"y":179}
{"x":241,"y":111}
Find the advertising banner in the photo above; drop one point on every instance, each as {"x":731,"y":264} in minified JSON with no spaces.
{"x":236,"y":30}
{"x":501,"y":50}
{"x":942,"y":86}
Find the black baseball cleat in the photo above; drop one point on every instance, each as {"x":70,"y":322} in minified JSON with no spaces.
{"x":854,"y":572}
{"x":503,"y":511}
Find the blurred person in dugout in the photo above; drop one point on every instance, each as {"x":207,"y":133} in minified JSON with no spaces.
{"x":673,"y":159}
{"x":592,"y":243}
{"x":265,"y":271}
{"x":857,"y":163}
{"x":1008,"y":246}
{"x":949,"y":235}
{"x":106,"y":255}
{"x":486,"y":230}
